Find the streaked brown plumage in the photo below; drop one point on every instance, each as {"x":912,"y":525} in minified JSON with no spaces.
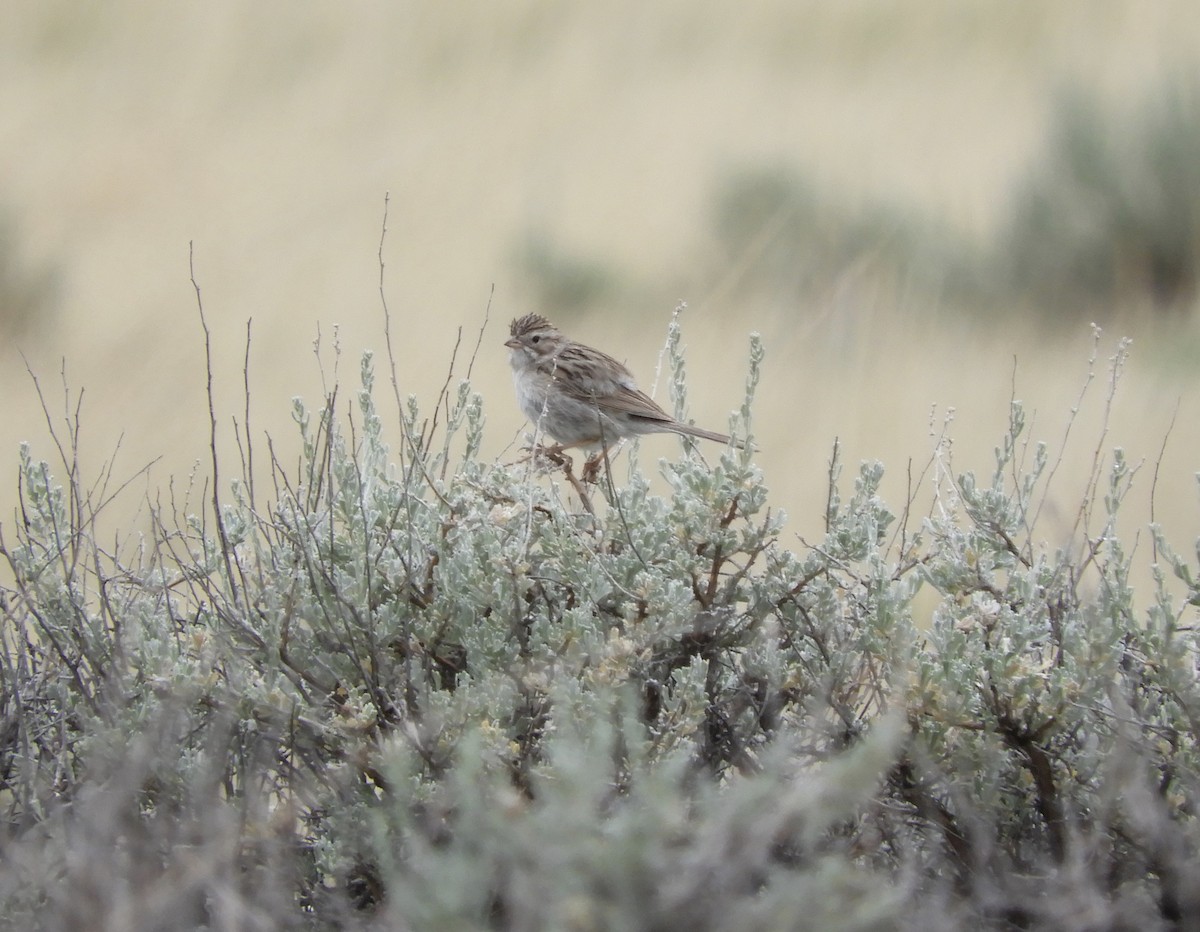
{"x":580,"y":396}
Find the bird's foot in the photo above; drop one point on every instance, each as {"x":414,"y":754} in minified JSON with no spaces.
{"x":552,"y":457}
{"x":591,"y":468}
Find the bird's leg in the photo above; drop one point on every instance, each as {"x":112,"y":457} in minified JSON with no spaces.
{"x":556,"y":456}
{"x":580,"y":488}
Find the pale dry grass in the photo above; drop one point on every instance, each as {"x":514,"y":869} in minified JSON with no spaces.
{"x":268,"y":134}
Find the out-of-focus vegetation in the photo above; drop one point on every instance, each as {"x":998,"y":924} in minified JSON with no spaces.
{"x":1110,"y":216}
{"x":561,"y":284}
{"x":1104,"y":221}
{"x":26,"y":295}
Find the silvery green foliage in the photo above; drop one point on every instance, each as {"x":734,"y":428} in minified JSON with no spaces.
{"x":417,"y":690}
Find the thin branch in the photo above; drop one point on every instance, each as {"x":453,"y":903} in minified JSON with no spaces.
{"x":387,"y":315}
{"x":249,"y":440}
{"x":212,"y":436}
{"x":487,"y":314}
{"x":1154,"y":482}
{"x":1074,"y":413}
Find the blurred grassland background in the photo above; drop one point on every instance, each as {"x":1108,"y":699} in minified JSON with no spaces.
{"x":921,"y":205}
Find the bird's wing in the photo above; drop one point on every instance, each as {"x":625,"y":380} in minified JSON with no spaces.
{"x":600,"y":379}
{"x":629,"y":400}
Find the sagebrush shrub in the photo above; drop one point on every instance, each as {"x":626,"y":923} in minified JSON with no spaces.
{"x":417,"y":690}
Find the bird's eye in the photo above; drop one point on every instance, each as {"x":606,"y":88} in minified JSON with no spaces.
{"x":534,"y":339}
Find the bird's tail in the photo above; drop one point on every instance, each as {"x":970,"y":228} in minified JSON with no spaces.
{"x":705,"y":434}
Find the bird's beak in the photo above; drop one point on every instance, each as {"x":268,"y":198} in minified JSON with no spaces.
{"x":513,"y":343}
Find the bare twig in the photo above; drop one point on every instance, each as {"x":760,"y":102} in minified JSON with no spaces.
{"x":387,"y":316}
{"x":830,"y":490}
{"x":487,"y":314}
{"x":1084,"y":513}
{"x":442,"y":398}
{"x":212,"y":420}
{"x":249,"y":468}
{"x":1074,"y":413}
{"x":1154,"y":482}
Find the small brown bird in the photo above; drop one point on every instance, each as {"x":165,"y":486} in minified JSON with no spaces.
{"x":580,"y":396}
